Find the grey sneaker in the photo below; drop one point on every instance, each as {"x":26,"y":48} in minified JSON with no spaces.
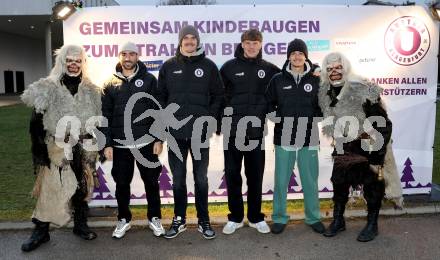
{"x":155,"y":225}
{"x":121,"y":227}
{"x":261,"y":226}
{"x":231,"y":226}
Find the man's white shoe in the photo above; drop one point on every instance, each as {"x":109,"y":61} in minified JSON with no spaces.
{"x":231,"y":226}
{"x":122,"y":227}
{"x":261,"y":226}
{"x":156,"y":226}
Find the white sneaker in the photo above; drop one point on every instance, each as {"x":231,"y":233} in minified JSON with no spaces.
{"x":231,"y":226}
{"x":156,"y":226}
{"x":122,"y":227}
{"x":261,"y":226}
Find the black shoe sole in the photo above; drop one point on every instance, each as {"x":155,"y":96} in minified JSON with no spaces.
{"x":170,"y":237}
{"x":367,"y":240}
{"x":278,"y":231}
{"x":319,"y":231}
{"x":204,"y":236}
{"x":44,"y":240}
{"x":334,"y":234}
{"x":85,"y":237}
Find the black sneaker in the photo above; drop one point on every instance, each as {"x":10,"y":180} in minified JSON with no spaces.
{"x":206,"y":230}
{"x":277,"y":228}
{"x":177,"y":227}
{"x":318,"y":227}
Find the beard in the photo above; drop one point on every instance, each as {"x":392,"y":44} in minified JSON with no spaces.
{"x":128,"y":65}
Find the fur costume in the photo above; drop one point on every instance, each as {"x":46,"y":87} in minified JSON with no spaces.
{"x":60,"y":181}
{"x":354,"y":94}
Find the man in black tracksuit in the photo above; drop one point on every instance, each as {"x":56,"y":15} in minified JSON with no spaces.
{"x":245,"y":78}
{"x":193,"y":82}
{"x":131,"y":78}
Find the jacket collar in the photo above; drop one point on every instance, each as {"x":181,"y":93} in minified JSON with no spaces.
{"x":198,"y":55}
{"x":140,"y":70}
{"x":307,"y":69}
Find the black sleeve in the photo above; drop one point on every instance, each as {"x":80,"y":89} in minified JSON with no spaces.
{"x":228,"y":86}
{"x":162,"y":90}
{"x":275,"y":69}
{"x":40,"y":156}
{"x":317,"y":109}
{"x":155,"y":93}
{"x":376,"y":109}
{"x":216,"y":93}
{"x":271,"y":96}
{"x":315,"y":66}
{"x":107,"y":112}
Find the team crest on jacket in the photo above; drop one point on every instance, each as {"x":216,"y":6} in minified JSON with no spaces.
{"x":198,"y":72}
{"x":139,"y":83}
{"x":261,"y":74}
{"x":308,"y":87}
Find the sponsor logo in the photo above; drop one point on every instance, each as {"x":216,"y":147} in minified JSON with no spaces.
{"x":345,"y":43}
{"x":308,"y":87}
{"x":239,"y":74}
{"x":261,"y":74}
{"x":198,"y":72}
{"x":139,"y":83}
{"x":288,"y":87}
{"x":153,"y":65}
{"x":407,"y":40}
{"x":367,"y":60}
{"x":177,"y":72}
{"x":318,"y":45}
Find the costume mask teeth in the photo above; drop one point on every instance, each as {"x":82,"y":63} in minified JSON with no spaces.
{"x":73,"y":65}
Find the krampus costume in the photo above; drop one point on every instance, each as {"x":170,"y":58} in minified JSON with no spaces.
{"x":63,"y":179}
{"x":359,"y":158}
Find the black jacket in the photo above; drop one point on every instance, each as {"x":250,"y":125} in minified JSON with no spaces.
{"x":245,"y":83}
{"x":297,"y":101}
{"x":195,"y":85}
{"x":117,"y":91}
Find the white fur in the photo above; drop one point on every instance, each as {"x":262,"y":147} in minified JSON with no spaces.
{"x":354,"y":93}
{"x":55,"y":101}
{"x":60,"y":68}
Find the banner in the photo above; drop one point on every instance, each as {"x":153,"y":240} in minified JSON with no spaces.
{"x":395,"y":47}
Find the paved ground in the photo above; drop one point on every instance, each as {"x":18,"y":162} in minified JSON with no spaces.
{"x":9,"y":100}
{"x":404,"y":237}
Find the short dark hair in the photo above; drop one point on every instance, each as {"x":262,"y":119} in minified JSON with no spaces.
{"x":252,"y":35}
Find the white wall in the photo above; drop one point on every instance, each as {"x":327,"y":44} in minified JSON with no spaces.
{"x":18,"y":53}
{"x":26,"y":7}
